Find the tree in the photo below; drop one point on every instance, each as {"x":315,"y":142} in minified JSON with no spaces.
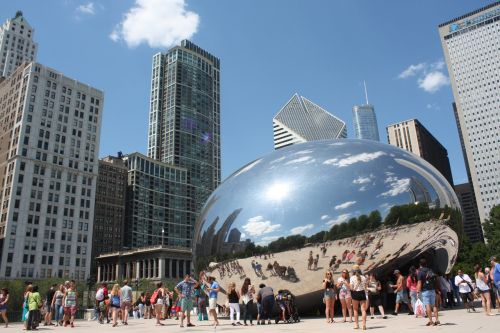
{"x":491,"y":229}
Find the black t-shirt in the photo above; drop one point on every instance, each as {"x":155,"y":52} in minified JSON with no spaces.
{"x":233,"y":297}
{"x":50,"y":295}
{"x":422,"y":276}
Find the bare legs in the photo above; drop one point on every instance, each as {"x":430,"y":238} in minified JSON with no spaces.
{"x":329,"y":310}
{"x":356,"y":305}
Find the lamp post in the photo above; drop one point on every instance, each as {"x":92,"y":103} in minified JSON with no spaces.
{"x":162,"y":235}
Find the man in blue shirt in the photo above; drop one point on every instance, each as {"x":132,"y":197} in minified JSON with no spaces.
{"x":184,"y":290}
{"x":212,"y":288}
{"x":495,"y":271}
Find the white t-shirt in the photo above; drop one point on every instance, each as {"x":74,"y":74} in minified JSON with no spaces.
{"x":464,"y":287}
{"x":358,"y":286}
{"x":343,"y":287}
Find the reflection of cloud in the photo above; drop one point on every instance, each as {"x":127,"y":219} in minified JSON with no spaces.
{"x":385,"y":206}
{"x":277,"y":160}
{"x":341,"y":218}
{"x":363,"y":188}
{"x":258,"y":226}
{"x":243,"y":237}
{"x":337,"y":144}
{"x":396,"y":186}
{"x":247,"y":168}
{"x":303,"y":159}
{"x":304,"y":152}
{"x":300,"y":229}
{"x":363,"y":157}
{"x":345,"y":205}
{"x":324,"y":217}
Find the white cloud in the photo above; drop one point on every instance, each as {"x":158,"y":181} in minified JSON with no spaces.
{"x":303,"y":159}
{"x":433,"y":81}
{"x":341,"y":218}
{"x":345,"y":205}
{"x":363,"y":180}
{"x":158,"y":23}
{"x":324,"y":217}
{"x":396,"y":186}
{"x":300,"y":229}
{"x":412,"y":70}
{"x":363,"y":157}
{"x":258,"y":226}
{"x":88,"y":9}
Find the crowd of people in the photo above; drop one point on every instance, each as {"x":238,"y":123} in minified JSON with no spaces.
{"x":422,"y":291}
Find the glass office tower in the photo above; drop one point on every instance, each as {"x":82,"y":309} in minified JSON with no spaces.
{"x":365,"y":122}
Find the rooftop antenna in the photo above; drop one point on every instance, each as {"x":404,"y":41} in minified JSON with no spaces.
{"x":366,"y":92}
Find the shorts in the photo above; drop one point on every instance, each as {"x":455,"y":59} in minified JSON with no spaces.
{"x":282,"y":305}
{"x":344,"y":294}
{"x":3,"y":308}
{"x":358,"y":295}
{"x":212,"y":303}
{"x":48,"y":308}
{"x":259,"y":309}
{"x":70,"y":310}
{"x":126,"y":304}
{"x":375,"y":300}
{"x":186,"y":304}
{"x":329,"y":294}
{"x":429,"y":297}
{"x":483,"y":291}
{"x":401,"y":297}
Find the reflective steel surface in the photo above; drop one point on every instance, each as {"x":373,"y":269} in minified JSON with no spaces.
{"x":264,"y":220}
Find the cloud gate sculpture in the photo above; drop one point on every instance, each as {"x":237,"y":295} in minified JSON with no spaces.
{"x":287,"y":217}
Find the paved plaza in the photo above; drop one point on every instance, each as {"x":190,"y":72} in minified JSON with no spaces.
{"x":451,"y":321}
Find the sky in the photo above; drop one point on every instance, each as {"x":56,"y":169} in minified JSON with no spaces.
{"x":269,"y":50}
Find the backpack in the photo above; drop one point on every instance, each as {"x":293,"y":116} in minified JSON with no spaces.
{"x":430,"y":280}
{"x":115,"y":300}
{"x":100,"y":294}
{"x":154,"y":297}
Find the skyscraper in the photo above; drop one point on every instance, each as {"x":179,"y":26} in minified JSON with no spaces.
{"x":16,"y":44}
{"x":300,"y":120}
{"x":49,"y":145}
{"x":470,"y":45}
{"x":472,"y":225}
{"x":184,"y":118}
{"x":411,"y":135}
{"x":365,"y":121}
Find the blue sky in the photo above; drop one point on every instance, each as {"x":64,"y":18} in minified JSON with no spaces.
{"x":322,"y":49}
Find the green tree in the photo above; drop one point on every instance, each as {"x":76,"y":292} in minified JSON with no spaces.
{"x":491,"y":229}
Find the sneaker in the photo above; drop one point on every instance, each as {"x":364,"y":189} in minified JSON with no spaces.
{"x":384,"y":317}
{"x":394,"y":313}
{"x":238,"y":323}
{"x":269,"y":322}
{"x":410,"y":313}
{"x":372,"y":317}
{"x":233,"y":324}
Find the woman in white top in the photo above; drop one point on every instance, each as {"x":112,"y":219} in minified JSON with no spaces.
{"x":483,"y":290}
{"x":358,"y":294}
{"x":345,"y":294}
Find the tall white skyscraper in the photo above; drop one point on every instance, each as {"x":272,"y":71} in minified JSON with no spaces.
{"x":16,"y":44}
{"x":300,"y":120}
{"x":49,"y":145}
{"x":365,"y":121}
{"x":470,"y":44}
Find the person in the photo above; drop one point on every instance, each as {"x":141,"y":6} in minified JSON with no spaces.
{"x":374,"y":298}
{"x":115,"y":296}
{"x":25,"y":311}
{"x":247,"y":293}
{"x":315,"y":262}
{"x":157,"y":300}
{"x":69,"y":302}
{"x":329,"y":296}
{"x":201,"y":301}
{"x":345,"y":294}
{"x":495,"y":274}
{"x":99,"y":303}
{"x":125,"y":301}
{"x":445,"y":291}
{"x":280,"y":300}
{"x":401,"y":294}
{"x":4,"y":299}
{"x":213,"y":289}
{"x":34,"y":305}
{"x":411,"y":285}
{"x":140,"y":305}
{"x":463,"y":282}
{"x":48,"y":305}
{"x":483,"y":290}
{"x":57,"y":304}
{"x":184,"y":290}
{"x":234,"y":304}
{"x":310,"y":260}
{"x":450,"y":293}
{"x":358,"y":288}
{"x":147,"y":306}
{"x":266,"y":297}
{"x":426,"y":290}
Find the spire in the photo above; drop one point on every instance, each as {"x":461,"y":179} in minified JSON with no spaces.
{"x":366,"y":92}
{"x":18,"y":14}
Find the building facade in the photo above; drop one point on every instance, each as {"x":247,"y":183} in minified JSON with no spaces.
{"x":412,"y":136}
{"x":159,"y":210}
{"x":184,"y":118}
{"x":470,"y":45}
{"x":300,"y":120}
{"x":16,"y":44}
{"x":49,"y":145}
{"x":109,"y":218}
{"x":471,"y":222}
{"x":365,"y":122}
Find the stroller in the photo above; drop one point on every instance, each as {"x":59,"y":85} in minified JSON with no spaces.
{"x":285,"y":301}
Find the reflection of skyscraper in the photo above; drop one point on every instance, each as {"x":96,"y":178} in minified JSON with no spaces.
{"x":300,"y":120}
{"x":418,"y":192}
{"x":234,"y":236}
{"x":184,"y":117}
{"x":475,"y":87}
{"x":365,"y":122}
{"x":412,"y":136}
{"x":472,"y":225}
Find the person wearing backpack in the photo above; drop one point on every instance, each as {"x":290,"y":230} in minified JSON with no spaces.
{"x":427,"y":284}
{"x":99,"y":301}
{"x":157,"y":300}
{"x":464,"y":284}
{"x":115,"y":296}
